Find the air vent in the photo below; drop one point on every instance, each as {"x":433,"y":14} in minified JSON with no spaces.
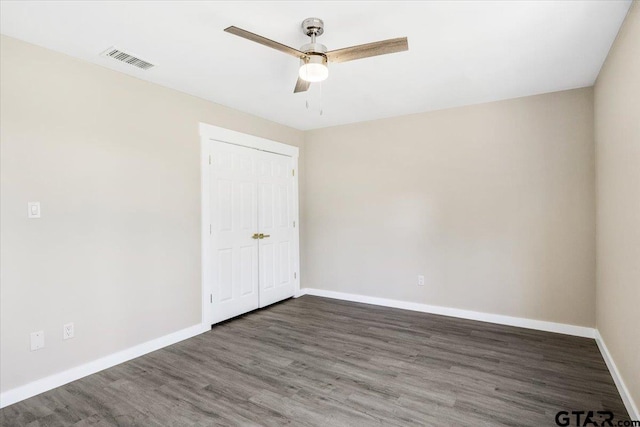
{"x":127,"y":58}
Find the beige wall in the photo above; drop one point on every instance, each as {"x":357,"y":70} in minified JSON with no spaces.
{"x":617,"y":133}
{"x":493,"y":204}
{"x":114,"y":162}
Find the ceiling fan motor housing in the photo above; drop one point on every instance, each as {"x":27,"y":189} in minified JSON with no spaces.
{"x":314,"y":59}
{"x":311,"y":48}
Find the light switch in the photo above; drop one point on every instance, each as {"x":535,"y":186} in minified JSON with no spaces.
{"x":37,"y":340}
{"x":33,"y":209}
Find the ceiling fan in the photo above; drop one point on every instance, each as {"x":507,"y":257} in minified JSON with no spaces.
{"x":314,"y":57}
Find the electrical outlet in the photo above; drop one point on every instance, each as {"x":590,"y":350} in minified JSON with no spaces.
{"x":67,"y":331}
{"x":37,"y":340}
{"x":421,"y":280}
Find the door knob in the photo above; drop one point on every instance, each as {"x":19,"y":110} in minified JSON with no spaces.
{"x":264,"y":236}
{"x":256,"y":236}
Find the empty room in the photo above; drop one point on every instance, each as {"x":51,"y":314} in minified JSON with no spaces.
{"x":327,"y":213}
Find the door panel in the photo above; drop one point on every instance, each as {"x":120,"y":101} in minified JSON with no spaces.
{"x":234,"y":217}
{"x":275,"y":213}
{"x":285,"y":264}
{"x":251,"y":192}
{"x":225,"y":267}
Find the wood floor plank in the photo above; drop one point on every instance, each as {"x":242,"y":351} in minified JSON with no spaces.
{"x":320,"y":362}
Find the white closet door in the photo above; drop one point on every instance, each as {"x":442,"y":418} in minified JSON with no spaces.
{"x":275,"y":221}
{"x":234,"y":220}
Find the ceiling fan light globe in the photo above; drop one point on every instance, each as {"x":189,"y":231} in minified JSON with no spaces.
{"x":314,"y":72}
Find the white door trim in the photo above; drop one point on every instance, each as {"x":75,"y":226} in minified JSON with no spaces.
{"x":215,"y":133}
{"x":246,"y":140}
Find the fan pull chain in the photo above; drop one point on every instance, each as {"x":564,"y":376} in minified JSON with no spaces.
{"x":320,"y":84}
{"x":314,"y":99}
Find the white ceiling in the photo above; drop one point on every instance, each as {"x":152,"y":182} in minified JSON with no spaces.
{"x":460,"y":53}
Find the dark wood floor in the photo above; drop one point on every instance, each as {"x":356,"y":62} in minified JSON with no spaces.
{"x":322,"y":362}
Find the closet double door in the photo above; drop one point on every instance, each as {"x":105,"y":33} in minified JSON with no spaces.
{"x":253,"y":255}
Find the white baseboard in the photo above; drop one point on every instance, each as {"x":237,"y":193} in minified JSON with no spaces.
{"x":561,"y":328}
{"x":15,"y":395}
{"x":632,"y":409}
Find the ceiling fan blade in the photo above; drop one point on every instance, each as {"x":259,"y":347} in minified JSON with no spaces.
{"x":264,"y":41}
{"x":301,"y":86}
{"x":370,"y":49}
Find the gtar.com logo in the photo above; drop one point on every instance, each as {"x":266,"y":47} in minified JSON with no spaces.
{"x":591,"y":418}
